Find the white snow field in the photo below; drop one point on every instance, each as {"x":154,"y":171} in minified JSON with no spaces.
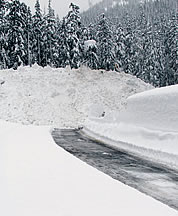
{"x":148,"y":125}
{"x":38,"y":178}
{"x":62,"y":97}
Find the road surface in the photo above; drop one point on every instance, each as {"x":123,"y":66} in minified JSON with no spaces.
{"x":150,"y":178}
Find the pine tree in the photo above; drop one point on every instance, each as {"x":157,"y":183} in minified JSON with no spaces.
{"x":170,"y":54}
{"x":72,"y":34}
{"x":27,"y":34}
{"x":120,"y":45}
{"x":30,"y":37}
{"x":57,"y":49}
{"x":3,"y":41}
{"x":14,"y":35}
{"x":144,"y":46}
{"x":50,"y":37}
{"x":38,"y":25}
{"x":63,"y":46}
{"x":130,"y":47}
{"x":90,"y":55}
{"x":105,"y":44}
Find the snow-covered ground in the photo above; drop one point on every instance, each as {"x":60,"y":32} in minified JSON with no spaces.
{"x":148,"y":125}
{"x":37,"y":178}
{"x":63,"y":97}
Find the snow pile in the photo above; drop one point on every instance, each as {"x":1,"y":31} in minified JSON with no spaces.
{"x":156,"y":109}
{"x":149,"y":123}
{"x":37,"y":178}
{"x":62,"y":97}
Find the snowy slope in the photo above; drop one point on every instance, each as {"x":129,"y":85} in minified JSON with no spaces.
{"x":63,"y":97}
{"x":148,"y":124}
{"x":38,"y":178}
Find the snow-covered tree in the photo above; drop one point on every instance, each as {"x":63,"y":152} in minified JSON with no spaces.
{"x":50,"y":37}
{"x":120,"y":45}
{"x":27,"y":34}
{"x":3,"y":39}
{"x":72,"y":34}
{"x":105,"y":44}
{"x":38,"y":25}
{"x":171,"y":52}
{"x":90,"y":54}
{"x":14,"y":34}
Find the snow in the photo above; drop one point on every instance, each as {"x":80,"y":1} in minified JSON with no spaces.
{"x":156,"y":109}
{"x":88,"y":44}
{"x":148,"y":125}
{"x":62,"y":97}
{"x":39,"y":178}
{"x":114,"y":3}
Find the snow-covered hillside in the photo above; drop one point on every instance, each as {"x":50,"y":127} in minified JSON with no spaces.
{"x":63,"y":97}
{"x":148,"y":124}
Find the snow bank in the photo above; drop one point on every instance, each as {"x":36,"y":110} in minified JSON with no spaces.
{"x":155,"y":109}
{"x":62,"y":97}
{"x":147,"y":126}
{"x":39,"y":178}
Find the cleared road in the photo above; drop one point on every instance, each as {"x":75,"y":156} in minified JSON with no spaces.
{"x":148,"y":177}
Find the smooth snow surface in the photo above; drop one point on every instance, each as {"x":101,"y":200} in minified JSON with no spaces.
{"x":62,"y":97}
{"x":155,"y":109}
{"x":149,"y":123}
{"x":37,"y":178}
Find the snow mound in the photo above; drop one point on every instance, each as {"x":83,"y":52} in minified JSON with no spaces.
{"x":63,"y":97}
{"x":155,"y":109}
{"x":148,"y":125}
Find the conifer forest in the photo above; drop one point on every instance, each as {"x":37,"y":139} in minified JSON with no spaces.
{"x":137,"y":37}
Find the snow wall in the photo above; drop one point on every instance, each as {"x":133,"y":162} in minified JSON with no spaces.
{"x":148,"y":126}
{"x":155,"y":109}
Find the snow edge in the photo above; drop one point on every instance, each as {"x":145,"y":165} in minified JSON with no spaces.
{"x":163,"y":158}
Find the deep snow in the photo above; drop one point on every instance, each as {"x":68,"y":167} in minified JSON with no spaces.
{"x":63,"y":97}
{"x":38,"y":178}
{"x":148,"y":125}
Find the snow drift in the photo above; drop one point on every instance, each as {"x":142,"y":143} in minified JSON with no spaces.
{"x":148,"y":125}
{"x":155,"y":109}
{"x":63,"y":97}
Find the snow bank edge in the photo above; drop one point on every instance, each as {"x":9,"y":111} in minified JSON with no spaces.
{"x":163,"y":158}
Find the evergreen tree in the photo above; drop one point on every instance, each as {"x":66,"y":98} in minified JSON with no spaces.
{"x":105,"y":44}
{"x":14,"y":35}
{"x":3,"y":41}
{"x":38,"y":26}
{"x":170,"y":52}
{"x":30,"y":37}
{"x":72,"y":34}
{"x":144,"y":46}
{"x":130,"y":46}
{"x":27,"y":34}
{"x":50,"y":37}
{"x":90,"y":56}
{"x":120,"y":45}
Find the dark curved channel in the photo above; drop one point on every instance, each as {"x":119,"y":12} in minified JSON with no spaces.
{"x":150,"y":178}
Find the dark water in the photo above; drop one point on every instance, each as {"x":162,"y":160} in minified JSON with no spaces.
{"x":150,"y":178}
